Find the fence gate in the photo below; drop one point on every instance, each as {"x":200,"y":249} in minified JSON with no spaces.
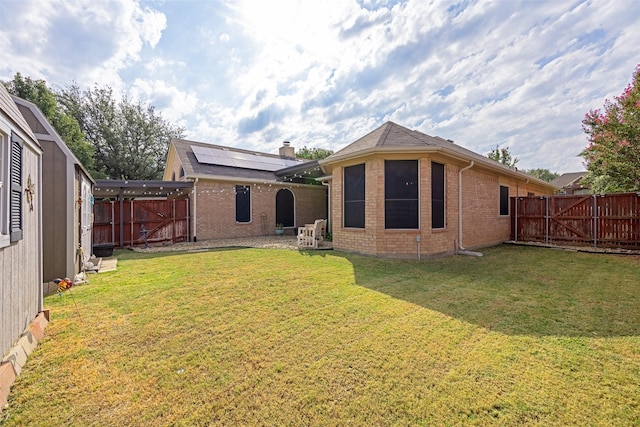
{"x":609,"y":220}
{"x":160,"y":221}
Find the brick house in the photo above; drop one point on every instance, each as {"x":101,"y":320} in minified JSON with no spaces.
{"x":571,"y":183}
{"x":401,"y":193}
{"x":242,"y":193}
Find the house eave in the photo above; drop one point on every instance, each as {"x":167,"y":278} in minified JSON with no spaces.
{"x":486,"y":164}
{"x":193,"y":177}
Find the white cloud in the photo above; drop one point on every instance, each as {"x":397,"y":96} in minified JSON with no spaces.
{"x":89,"y":41}
{"x":252,"y":73}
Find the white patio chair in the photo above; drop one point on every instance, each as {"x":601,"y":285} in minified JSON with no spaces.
{"x":311,"y":234}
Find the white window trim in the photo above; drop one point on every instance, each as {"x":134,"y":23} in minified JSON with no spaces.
{"x":4,"y":195}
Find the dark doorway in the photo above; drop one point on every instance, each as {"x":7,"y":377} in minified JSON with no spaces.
{"x":285,"y":213}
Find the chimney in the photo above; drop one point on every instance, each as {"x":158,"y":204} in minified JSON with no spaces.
{"x":287,"y":151}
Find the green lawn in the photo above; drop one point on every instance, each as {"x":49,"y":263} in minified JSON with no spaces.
{"x":273,"y":337}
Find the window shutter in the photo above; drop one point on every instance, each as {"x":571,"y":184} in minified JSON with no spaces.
{"x":15,"y":180}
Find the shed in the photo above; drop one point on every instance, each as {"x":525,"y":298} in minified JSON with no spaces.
{"x":67,"y":195}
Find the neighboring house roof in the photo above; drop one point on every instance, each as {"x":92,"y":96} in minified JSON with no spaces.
{"x":568,"y":179}
{"x":44,"y":131}
{"x":209,"y":161}
{"x":393,"y":138}
{"x":9,"y":106}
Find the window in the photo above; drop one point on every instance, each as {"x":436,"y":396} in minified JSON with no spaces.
{"x":243,"y":203}
{"x":401,"y":194}
{"x":437,"y":195}
{"x":354,"y":207}
{"x":504,"y":200}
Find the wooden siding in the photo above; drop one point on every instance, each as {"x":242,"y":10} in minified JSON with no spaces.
{"x":20,"y":265}
{"x":611,"y":220}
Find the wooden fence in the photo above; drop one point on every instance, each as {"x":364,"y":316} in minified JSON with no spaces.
{"x":611,"y":220}
{"x":159,"y":221}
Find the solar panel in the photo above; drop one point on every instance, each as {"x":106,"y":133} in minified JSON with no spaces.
{"x":221,"y":157}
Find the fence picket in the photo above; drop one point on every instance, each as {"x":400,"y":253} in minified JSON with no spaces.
{"x":611,"y":220}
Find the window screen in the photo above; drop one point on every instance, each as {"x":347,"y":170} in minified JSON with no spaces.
{"x":354,"y":183}
{"x":400,"y":194}
{"x":437,"y":195}
{"x":504,"y":200}
{"x":243,"y":203}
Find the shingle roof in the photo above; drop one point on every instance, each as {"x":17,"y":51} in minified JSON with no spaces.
{"x":568,"y":179}
{"x":391,"y":137}
{"x":194,"y":168}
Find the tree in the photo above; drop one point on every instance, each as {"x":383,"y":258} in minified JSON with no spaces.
{"x":313,"y":153}
{"x":543,"y":174}
{"x":613,"y":155}
{"x":131,"y":140}
{"x":503,"y":155}
{"x":66,"y":126}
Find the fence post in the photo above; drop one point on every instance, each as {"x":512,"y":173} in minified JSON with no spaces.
{"x":595,"y":221}
{"x":546,"y":220}
{"x":516,"y":225}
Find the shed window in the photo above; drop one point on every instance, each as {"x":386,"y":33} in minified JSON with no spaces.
{"x":354,"y":205}
{"x":243,"y":203}
{"x":15,"y":189}
{"x":437,"y":195}
{"x":401,"y":194}
{"x":504,"y":200}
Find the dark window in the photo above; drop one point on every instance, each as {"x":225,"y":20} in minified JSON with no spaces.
{"x":284,"y":208}
{"x":15,"y":198}
{"x":354,"y":183}
{"x":400,"y":194}
{"x":243,"y":203}
{"x":504,"y":200}
{"x":437,"y":195}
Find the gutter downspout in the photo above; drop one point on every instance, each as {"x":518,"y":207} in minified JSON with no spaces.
{"x":328,"y":230}
{"x":195,"y":204}
{"x":461,"y":249}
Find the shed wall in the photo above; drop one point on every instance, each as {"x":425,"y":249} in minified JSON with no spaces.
{"x":20,"y":265}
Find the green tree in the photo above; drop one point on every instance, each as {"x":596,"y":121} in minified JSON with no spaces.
{"x":543,"y":174}
{"x":66,"y":126}
{"x":313,"y":153}
{"x":131,"y":140}
{"x":503,"y":155}
{"x":613,"y":155}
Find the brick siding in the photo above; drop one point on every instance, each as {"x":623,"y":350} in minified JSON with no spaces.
{"x":481,"y":225}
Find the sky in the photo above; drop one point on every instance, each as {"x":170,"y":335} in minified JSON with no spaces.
{"x":323,"y":73}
